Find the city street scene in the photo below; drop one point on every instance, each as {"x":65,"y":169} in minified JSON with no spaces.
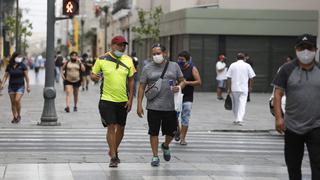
{"x":159,"y":90}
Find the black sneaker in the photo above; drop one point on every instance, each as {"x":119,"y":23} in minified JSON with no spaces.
{"x":117,"y":157}
{"x":155,"y":162}
{"x":220,"y":98}
{"x":75,"y":109}
{"x":113,"y":162}
{"x":166,"y":152}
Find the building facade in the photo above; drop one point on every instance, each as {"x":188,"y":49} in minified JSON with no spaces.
{"x":267,"y":34}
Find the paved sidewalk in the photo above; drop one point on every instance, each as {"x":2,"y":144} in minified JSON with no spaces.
{"x":208,"y":113}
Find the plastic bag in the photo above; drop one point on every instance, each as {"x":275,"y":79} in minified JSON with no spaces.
{"x":228,"y":103}
{"x":178,"y":100}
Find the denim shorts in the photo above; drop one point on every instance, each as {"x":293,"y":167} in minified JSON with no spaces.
{"x":222,"y":84}
{"x":186,"y":113}
{"x":16,"y":90}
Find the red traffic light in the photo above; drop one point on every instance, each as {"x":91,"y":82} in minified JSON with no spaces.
{"x":70,"y":7}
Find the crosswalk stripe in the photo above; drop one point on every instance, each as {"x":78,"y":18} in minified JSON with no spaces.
{"x":137,"y":141}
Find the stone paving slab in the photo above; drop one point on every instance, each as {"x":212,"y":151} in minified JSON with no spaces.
{"x":166,"y":171}
{"x":208,"y":113}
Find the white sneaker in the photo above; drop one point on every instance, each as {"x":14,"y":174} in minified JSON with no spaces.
{"x":240,"y":123}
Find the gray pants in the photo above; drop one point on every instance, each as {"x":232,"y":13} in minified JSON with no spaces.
{"x":239,"y":102}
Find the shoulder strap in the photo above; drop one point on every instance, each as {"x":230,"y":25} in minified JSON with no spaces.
{"x":118,"y":62}
{"x":164,"y":70}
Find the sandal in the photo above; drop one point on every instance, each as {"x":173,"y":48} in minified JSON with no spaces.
{"x":183,"y":142}
{"x":14,"y":120}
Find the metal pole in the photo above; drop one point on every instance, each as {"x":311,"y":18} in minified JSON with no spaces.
{"x":17,"y":27}
{"x":49,"y":115}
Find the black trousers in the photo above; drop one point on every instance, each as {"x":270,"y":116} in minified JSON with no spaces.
{"x":294,"y":151}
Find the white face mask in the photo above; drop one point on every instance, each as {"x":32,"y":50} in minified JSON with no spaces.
{"x":18,"y":59}
{"x":158,"y":59}
{"x":118,"y":53}
{"x":306,"y":56}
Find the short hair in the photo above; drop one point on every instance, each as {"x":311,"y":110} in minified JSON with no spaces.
{"x":184,"y":54}
{"x":73,"y":53}
{"x":240,"y":56}
{"x":85,"y":55}
{"x":158,"y":45}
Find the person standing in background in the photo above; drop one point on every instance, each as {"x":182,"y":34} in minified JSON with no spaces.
{"x":86,"y":74}
{"x":58,"y":63}
{"x":250,"y":62}
{"x":221,"y":70}
{"x":136,"y":74}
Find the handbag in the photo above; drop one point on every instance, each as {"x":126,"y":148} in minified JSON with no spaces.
{"x":153,"y":90}
{"x":228,"y":103}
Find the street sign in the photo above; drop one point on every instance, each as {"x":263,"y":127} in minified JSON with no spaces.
{"x":70,"y":7}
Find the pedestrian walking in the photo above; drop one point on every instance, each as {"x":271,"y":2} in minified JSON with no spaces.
{"x":250,"y":62}
{"x":71,"y":75}
{"x":155,"y":78}
{"x":17,"y":72}
{"x":114,"y":105}
{"x":192,"y":79}
{"x":37,"y":65}
{"x":221,"y":70}
{"x":240,"y":81}
{"x":136,"y":65}
{"x":86,"y":74}
{"x":299,"y":81}
{"x":58,"y":64}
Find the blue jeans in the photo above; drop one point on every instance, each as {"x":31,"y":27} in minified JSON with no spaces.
{"x":186,"y":113}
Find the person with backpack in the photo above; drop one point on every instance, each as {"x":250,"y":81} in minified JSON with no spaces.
{"x":58,"y":64}
{"x":71,"y":75}
{"x":116,"y":93}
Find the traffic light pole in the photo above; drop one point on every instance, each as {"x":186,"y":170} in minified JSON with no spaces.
{"x":49,"y":115}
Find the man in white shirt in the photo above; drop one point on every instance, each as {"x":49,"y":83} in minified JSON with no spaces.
{"x":239,"y":75}
{"x":221,"y":70}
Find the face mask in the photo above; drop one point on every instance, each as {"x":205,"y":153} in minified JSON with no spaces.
{"x":181,"y":63}
{"x":18,"y":59}
{"x":118,"y":53}
{"x":306,"y":56}
{"x":158,"y":59}
{"x":73,"y":59}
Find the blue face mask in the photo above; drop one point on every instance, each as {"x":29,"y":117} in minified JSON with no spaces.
{"x":181,"y":63}
{"x":118,"y":53}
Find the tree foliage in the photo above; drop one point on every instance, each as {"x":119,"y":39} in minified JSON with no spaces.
{"x":25,"y":28}
{"x":149,"y":24}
